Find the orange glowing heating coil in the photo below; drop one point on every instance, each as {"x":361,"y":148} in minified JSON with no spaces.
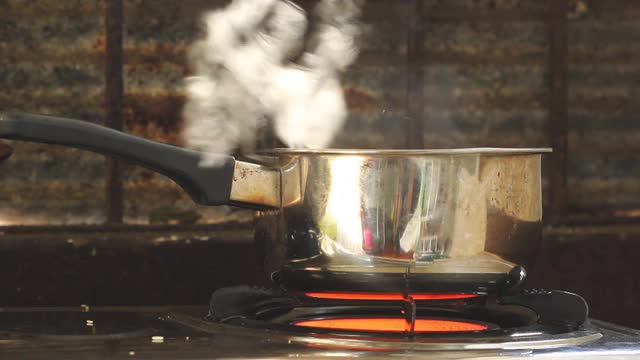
{"x":385,"y":296}
{"x":392,"y":325}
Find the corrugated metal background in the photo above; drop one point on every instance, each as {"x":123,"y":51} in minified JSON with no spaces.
{"x":604,"y":116}
{"x":52,"y":55}
{"x":485,"y":85}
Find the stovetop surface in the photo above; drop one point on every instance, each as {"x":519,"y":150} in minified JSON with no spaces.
{"x":182,"y":333}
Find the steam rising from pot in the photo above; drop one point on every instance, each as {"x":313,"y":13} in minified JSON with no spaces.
{"x":262,"y":60}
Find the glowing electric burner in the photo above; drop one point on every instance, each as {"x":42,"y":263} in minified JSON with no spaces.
{"x":386,"y":296}
{"x":392,"y":324}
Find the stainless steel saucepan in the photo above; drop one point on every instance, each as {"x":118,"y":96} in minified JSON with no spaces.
{"x":353,"y":220}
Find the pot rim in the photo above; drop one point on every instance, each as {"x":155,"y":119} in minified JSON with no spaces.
{"x":407,"y":152}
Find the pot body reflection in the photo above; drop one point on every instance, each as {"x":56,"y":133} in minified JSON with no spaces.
{"x":444,"y":216}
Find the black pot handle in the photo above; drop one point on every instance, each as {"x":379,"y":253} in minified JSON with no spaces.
{"x":205,"y":185}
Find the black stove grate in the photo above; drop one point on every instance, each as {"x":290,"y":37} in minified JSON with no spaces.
{"x":549,"y":312}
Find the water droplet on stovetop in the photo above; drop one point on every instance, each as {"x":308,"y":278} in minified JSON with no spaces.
{"x":157,"y":339}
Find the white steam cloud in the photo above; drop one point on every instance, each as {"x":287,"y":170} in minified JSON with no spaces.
{"x":257,"y":61}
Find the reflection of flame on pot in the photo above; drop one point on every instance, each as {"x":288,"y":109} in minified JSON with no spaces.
{"x":342,"y":223}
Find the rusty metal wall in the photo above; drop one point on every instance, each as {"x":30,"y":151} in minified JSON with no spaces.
{"x":485,"y":84}
{"x":51,"y":62}
{"x":604,"y":111}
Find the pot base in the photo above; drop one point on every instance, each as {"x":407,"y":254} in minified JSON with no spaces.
{"x":323,"y":280}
